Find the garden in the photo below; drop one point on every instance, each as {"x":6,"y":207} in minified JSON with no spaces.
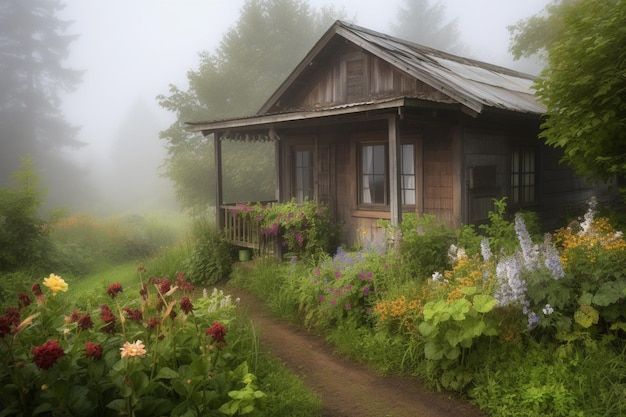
{"x":118,"y":316}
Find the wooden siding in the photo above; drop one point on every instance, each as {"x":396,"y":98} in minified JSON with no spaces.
{"x":438,"y":173}
{"x":355,"y":77}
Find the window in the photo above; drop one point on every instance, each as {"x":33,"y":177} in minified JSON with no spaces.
{"x":523,"y":173}
{"x":303,"y":175}
{"x":407,"y":174}
{"x":373,"y":174}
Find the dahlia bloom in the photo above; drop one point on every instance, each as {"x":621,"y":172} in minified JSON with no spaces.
{"x":47,"y":354}
{"x":133,"y":349}
{"x":55,"y":283}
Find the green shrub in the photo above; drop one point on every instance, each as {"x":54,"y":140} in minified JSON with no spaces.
{"x":24,"y":242}
{"x":211,"y":255}
{"x":424,"y":244}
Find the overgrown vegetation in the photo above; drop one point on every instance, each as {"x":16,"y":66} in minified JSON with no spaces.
{"x":523,"y":324}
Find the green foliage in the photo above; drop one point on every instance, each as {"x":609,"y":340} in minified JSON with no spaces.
{"x":424,"y":244}
{"x":236,"y":80}
{"x":211,"y":255}
{"x":304,"y":228}
{"x":535,"y":329}
{"x":24,"y":241}
{"x":582,"y":86}
{"x":147,"y":353}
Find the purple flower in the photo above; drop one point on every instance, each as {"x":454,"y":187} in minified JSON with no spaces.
{"x":348,"y":306}
{"x":366,"y":290}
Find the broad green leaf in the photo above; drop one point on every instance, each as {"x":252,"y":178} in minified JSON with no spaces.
{"x":609,"y":293}
{"x":469,"y":290}
{"x":436,"y":311}
{"x":433,"y":351}
{"x":166,"y":373}
{"x":459,"y":308}
{"x":484,"y":303}
{"x":117,"y":405}
{"x":428,"y":329}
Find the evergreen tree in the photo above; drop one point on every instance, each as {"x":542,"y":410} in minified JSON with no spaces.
{"x":424,"y":23}
{"x":33,"y":46}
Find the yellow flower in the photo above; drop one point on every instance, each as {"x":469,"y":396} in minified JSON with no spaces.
{"x":55,"y":283}
{"x":133,"y":349}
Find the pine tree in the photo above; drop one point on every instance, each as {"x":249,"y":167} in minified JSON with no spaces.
{"x":33,"y":46}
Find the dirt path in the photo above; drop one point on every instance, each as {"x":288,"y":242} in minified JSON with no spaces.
{"x":346,"y":389}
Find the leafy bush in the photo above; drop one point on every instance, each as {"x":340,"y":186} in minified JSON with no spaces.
{"x":211,"y":256}
{"x":144,"y":355}
{"x":423,"y":244}
{"x":23,"y":241}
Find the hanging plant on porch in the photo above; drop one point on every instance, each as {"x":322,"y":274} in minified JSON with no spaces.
{"x":303,"y":228}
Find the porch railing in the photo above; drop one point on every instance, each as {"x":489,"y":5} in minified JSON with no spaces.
{"x":245,"y":232}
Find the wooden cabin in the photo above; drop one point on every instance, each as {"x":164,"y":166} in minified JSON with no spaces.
{"x":376,"y":127}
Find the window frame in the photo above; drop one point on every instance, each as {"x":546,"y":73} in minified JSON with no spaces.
{"x":294,"y":172}
{"x":523,"y":176}
{"x":360,"y":174}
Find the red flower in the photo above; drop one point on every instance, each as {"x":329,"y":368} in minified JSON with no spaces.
{"x":84,"y":321}
{"x":133,"y":314}
{"x":114,"y":289}
{"x":165,"y":286}
{"x":47,"y":354}
{"x":72,"y":317}
{"x":36,"y":289}
{"x":108,"y":318}
{"x":24,"y":300}
{"x":217,"y":332}
{"x":144,"y":291}
{"x":5,"y":326}
{"x":183,"y":284}
{"x":186,"y":305}
{"x":13,"y":315}
{"x":93,"y":350}
{"x":152,"y":323}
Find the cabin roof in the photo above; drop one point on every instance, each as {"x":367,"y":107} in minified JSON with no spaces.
{"x":472,"y":84}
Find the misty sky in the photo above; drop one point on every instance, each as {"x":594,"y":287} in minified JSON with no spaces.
{"x":134,"y":49}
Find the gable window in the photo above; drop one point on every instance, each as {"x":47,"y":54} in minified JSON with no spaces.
{"x":407,"y":174}
{"x":373,"y":170}
{"x":523,"y":176}
{"x":303,"y":175}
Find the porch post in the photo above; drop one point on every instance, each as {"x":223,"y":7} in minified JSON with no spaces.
{"x":217,"y":150}
{"x":395,"y":189}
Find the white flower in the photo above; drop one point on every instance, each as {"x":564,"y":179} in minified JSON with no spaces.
{"x":436,"y":276}
{"x":547,"y":310}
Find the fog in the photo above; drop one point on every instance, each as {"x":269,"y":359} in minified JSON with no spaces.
{"x":132,"y":51}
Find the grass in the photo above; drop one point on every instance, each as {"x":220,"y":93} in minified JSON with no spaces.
{"x":125,"y":273}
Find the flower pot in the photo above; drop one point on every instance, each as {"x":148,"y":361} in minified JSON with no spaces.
{"x":244,"y":255}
